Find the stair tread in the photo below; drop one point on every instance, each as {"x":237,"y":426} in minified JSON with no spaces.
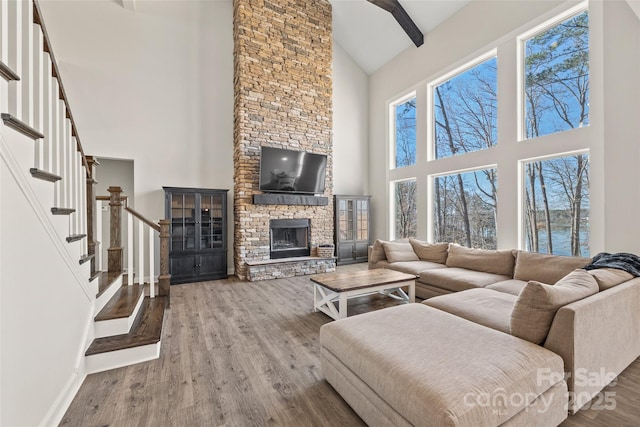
{"x":62,"y":211}
{"x":146,"y":330}
{"x":96,"y":274}
{"x":75,"y":237}
{"x":105,"y":280}
{"x":86,"y":257}
{"x":7,"y":73}
{"x":44,"y":175}
{"x":20,"y":126}
{"x":122,"y":303}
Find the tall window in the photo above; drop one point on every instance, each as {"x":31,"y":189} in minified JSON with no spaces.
{"x":405,"y":208}
{"x":465,"y":208}
{"x":556,"y":67}
{"x":557,"y":205}
{"x":550,"y":63}
{"x":465,"y":111}
{"x":405,"y":132}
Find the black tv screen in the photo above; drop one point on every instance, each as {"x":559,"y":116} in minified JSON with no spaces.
{"x":292,"y":171}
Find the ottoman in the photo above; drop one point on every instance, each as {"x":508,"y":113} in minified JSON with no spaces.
{"x":416,"y":365}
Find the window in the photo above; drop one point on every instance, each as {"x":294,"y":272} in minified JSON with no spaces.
{"x":405,"y":208}
{"x":465,"y":111}
{"x":556,"y":67}
{"x":557,"y":205}
{"x":404,"y":114}
{"x":465,"y":208}
{"x":544,"y":90}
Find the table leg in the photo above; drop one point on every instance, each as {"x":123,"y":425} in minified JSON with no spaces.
{"x":412,"y":291}
{"x":342,"y":305}
{"x":315,"y":298}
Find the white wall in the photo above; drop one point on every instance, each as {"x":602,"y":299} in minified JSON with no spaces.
{"x":216,"y":104}
{"x":154,"y":85}
{"x":621,"y":198}
{"x":119,"y":173}
{"x":44,"y":312}
{"x":485,"y":25}
{"x":350,"y":125}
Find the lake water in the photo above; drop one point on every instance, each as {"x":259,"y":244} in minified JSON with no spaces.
{"x":561,"y":238}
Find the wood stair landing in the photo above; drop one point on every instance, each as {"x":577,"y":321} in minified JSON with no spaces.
{"x":122,"y":304}
{"x":105,"y":280}
{"x":146,"y":330}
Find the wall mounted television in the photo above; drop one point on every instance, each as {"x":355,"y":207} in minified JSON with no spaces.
{"x":289,"y":171}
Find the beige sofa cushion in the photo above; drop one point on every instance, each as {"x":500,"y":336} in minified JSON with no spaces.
{"x":423,"y":362}
{"x":482,"y":306}
{"x":377,"y":253}
{"x":537,"y":304}
{"x":434,"y":252}
{"x":459,"y":279}
{"x":610,"y":277}
{"x":545,"y":268}
{"x":511,"y":286}
{"x":399,"y":251}
{"x":410,"y":267}
{"x":488,"y":261}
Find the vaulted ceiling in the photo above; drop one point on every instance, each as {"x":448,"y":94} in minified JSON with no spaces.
{"x":372,"y":36}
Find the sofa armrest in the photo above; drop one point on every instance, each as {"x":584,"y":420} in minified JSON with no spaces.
{"x":369,"y":251}
{"x":597,"y":337}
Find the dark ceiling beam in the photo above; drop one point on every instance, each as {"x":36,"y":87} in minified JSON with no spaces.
{"x":395,"y":8}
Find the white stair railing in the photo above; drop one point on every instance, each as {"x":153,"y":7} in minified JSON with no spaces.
{"x":35,"y":103}
{"x":99,"y":234}
{"x":151,"y":230}
{"x":37,"y":107}
{"x":140,"y":246}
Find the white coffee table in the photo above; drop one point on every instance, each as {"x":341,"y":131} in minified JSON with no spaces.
{"x":329,"y":288}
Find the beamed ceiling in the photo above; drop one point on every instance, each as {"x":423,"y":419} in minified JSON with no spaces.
{"x":371,"y":33}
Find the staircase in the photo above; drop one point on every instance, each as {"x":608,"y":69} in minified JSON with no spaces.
{"x":81,"y":317}
{"x":128,"y":315}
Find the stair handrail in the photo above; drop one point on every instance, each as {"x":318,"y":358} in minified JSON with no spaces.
{"x":143,"y":218}
{"x":116,"y":201}
{"x":37,"y":19}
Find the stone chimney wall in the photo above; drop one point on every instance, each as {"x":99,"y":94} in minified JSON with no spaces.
{"x":283,"y":99}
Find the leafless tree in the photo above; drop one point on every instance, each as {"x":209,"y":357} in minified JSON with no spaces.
{"x":557,"y":98}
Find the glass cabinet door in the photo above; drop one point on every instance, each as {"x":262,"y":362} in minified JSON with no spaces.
{"x":362,"y":219}
{"x":183,"y":222}
{"x":345,"y":217}
{"x":211,"y":224}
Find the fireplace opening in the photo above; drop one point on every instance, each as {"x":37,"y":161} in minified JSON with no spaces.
{"x":289,"y":238}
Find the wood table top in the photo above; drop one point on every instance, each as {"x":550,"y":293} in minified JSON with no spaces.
{"x":341,"y":282}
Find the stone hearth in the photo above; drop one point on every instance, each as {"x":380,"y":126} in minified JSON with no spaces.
{"x":283,"y":98}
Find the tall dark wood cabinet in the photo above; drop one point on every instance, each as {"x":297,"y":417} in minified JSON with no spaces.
{"x":352,"y":228}
{"x":198,"y":230}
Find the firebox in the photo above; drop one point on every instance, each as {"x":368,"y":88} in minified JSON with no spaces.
{"x":289,"y":238}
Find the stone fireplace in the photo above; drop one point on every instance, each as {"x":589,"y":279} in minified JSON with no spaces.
{"x":282,"y":99}
{"x":289,"y":238}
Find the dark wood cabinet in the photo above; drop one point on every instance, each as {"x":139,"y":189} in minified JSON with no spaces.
{"x":198,"y":230}
{"x":352,"y":228}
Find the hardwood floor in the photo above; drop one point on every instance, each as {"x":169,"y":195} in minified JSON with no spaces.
{"x":246,"y":354}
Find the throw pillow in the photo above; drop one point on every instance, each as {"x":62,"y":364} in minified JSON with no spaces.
{"x":377,"y":253}
{"x":545,"y":268}
{"x":399,"y":251}
{"x":434,"y":252}
{"x":486,"y":260}
{"x":610,"y":277}
{"x":537,"y":304}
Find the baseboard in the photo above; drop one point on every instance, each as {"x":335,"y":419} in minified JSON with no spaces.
{"x":56,"y":413}
{"x":120,"y":358}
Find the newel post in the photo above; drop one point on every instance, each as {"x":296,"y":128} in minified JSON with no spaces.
{"x":115,"y":230}
{"x":164,"y":279}
{"x":92,"y":244}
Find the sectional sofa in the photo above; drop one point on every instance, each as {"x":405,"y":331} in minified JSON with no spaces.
{"x":502,"y":338}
